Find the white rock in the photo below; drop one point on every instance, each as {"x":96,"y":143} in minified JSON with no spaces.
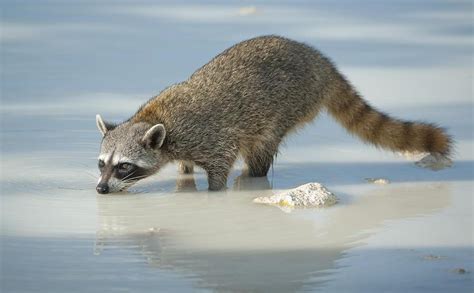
{"x":381,"y":181}
{"x":307,"y":195}
{"x":435,"y":162}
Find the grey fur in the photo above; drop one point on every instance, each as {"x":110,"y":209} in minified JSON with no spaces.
{"x":244,"y":101}
{"x":127,"y":141}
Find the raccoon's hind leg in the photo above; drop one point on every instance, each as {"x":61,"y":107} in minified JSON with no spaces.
{"x":186,"y":167}
{"x":259,"y":157}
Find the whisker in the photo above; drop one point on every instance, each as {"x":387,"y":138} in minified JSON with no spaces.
{"x":123,"y":179}
{"x":126,"y":185}
{"x":133,"y":178}
{"x":138,"y":177}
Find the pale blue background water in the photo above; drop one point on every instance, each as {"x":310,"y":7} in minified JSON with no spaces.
{"x":64,"y":62}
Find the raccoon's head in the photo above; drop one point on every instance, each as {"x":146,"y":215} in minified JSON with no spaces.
{"x":128,"y":153}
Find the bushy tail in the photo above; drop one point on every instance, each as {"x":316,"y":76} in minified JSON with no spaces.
{"x":377,"y":128}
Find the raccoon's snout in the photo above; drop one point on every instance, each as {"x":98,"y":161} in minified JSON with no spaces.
{"x":102,"y":188}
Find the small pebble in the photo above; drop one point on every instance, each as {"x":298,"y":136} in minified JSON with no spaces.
{"x":460,"y":271}
{"x":432,"y":257}
{"x":154,"y":230}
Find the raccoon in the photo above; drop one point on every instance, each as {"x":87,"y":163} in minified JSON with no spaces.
{"x":245,"y":101}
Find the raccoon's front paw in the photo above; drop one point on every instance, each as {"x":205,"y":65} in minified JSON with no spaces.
{"x":435,"y":162}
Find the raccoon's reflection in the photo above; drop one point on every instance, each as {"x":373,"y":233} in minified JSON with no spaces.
{"x":246,"y":182}
{"x":243,"y":182}
{"x":185,"y":183}
{"x":224,"y":242}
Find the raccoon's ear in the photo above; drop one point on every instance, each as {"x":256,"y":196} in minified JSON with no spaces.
{"x":154,"y":136}
{"x":102,"y":125}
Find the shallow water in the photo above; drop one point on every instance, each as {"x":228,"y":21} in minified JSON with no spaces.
{"x":64,"y":63}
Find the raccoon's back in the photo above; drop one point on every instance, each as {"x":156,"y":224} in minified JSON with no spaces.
{"x":267,"y":78}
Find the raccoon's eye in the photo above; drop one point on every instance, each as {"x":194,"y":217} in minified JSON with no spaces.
{"x":101,"y":164}
{"x":125,"y":167}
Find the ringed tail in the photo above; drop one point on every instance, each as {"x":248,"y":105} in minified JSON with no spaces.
{"x":381,"y":130}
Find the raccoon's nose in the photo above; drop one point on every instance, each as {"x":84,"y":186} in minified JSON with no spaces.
{"x":102,"y":188}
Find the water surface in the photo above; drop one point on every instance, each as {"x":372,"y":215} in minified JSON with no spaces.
{"x":64,"y":63}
